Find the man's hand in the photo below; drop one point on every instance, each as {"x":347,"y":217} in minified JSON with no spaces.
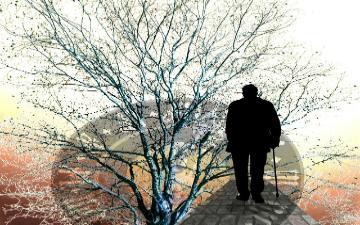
{"x":275,"y":143}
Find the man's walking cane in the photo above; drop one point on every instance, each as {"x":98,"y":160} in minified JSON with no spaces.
{"x":276,"y":186}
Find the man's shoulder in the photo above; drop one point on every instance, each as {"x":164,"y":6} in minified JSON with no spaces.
{"x":242,"y":101}
{"x":236,"y":102}
{"x":265,"y":102}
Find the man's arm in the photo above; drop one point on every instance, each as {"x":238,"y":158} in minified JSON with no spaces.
{"x":275,"y":127}
{"x":230,"y":122}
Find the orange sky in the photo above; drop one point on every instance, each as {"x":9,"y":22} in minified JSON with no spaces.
{"x":335,"y":202}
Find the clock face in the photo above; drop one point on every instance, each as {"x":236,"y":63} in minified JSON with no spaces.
{"x":111,"y":138}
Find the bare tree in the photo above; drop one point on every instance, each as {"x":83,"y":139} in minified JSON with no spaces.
{"x":159,"y":74}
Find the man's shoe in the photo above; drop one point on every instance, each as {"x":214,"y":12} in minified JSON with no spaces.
{"x":242,"y":197}
{"x":257,"y":198}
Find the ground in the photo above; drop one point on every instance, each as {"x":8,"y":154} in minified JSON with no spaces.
{"x":222,"y":208}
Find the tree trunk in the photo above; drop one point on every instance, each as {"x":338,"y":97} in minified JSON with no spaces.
{"x":161,"y":209}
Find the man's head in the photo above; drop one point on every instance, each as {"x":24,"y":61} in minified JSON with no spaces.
{"x":250,"y":91}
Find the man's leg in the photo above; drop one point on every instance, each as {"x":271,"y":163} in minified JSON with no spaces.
{"x":257,"y":164}
{"x":241,"y":162}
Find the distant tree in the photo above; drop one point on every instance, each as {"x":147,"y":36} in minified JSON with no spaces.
{"x":161,"y":73}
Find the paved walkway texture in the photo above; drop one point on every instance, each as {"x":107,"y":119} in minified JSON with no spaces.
{"x":223,"y":209}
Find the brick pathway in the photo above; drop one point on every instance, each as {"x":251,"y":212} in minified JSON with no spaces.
{"x":223,"y":209}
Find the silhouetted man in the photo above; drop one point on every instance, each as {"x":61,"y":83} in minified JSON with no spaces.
{"x":252,"y":128}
